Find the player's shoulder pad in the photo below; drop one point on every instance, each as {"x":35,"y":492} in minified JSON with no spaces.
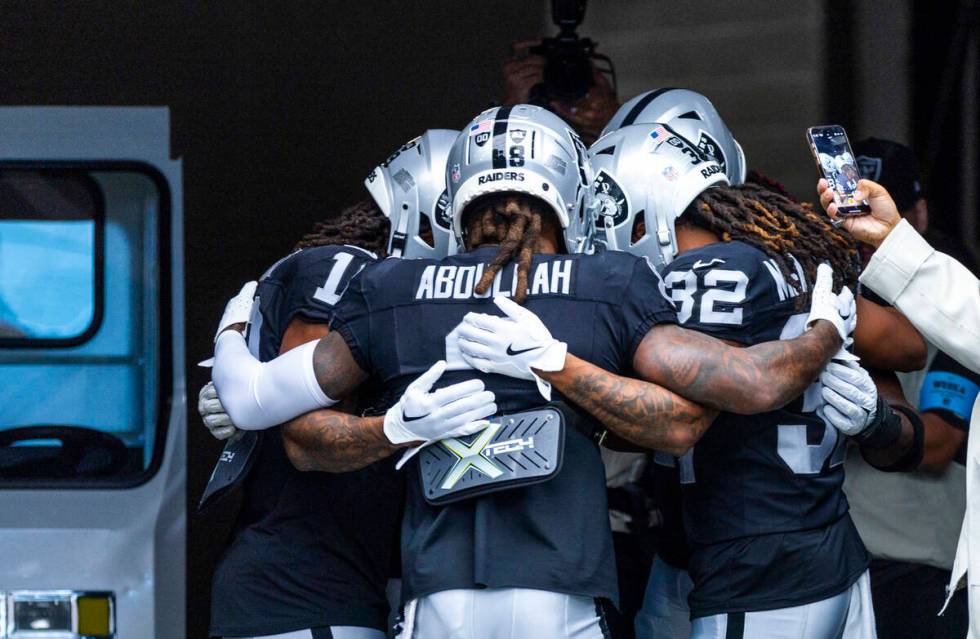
{"x":608,"y":273}
{"x":735,"y":255}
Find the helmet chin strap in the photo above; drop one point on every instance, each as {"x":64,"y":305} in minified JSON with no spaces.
{"x":665,"y":239}
{"x":399,"y":236}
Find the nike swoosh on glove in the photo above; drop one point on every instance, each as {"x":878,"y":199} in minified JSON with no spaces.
{"x":213,"y":413}
{"x":427,"y":415}
{"x":837,"y":308}
{"x":511,"y":345}
{"x":851,"y":396}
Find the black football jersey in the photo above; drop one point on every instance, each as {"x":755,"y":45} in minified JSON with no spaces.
{"x":311,"y":549}
{"x":555,"y":535}
{"x":764,"y":511}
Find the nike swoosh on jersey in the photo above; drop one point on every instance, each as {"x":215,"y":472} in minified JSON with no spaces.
{"x":700,"y":264}
{"x":511,"y":351}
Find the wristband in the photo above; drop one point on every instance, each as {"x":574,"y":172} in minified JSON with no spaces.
{"x":913,"y":456}
{"x":883,"y":431}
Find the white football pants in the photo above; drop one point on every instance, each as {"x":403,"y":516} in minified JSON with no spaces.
{"x":849,"y":615}
{"x":503,"y":613}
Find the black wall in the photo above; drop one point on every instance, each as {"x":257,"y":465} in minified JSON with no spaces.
{"x":279,"y":110}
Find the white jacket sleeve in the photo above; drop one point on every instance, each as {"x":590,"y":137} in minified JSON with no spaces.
{"x":935,"y":292}
{"x":258,"y":395}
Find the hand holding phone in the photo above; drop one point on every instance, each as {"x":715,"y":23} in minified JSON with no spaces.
{"x":835,"y":161}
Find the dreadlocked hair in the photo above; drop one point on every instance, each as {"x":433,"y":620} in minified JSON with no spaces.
{"x":362,"y":225}
{"x":513,"y":222}
{"x":779,"y":227}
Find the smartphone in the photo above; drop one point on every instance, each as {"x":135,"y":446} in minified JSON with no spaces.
{"x":835,"y":161}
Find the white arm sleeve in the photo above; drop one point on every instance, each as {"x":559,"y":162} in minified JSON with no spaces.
{"x":258,"y":395}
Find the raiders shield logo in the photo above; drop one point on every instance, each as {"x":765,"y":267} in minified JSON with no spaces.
{"x":708,"y":147}
{"x":612,"y":200}
{"x":517,"y":135}
{"x":442,"y":215}
{"x":869,"y":167}
{"x":481,"y":138}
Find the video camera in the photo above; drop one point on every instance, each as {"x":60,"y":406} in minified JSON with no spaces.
{"x":568,"y":71}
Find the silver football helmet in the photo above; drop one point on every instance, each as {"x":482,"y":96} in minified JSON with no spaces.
{"x":654,"y":171}
{"x":410,"y":189}
{"x":668,"y":105}
{"x":524,"y":149}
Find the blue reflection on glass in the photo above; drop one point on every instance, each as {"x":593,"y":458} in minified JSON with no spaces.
{"x":46,"y":278}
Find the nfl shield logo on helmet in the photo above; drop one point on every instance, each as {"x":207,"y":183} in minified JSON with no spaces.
{"x":670,"y":173}
{"x":455,"y":173}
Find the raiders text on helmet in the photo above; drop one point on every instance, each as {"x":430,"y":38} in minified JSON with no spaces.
{"x":410,"y":189}
{"x":654,"y":171}
{"x":668,"y":105}
{"x":524,"y":149}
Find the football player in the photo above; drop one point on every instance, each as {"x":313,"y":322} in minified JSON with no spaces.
{"x":773,"y":548}
{"x":496,"y":541}
{"x":883,"y":337}
{"x":312,"y":551}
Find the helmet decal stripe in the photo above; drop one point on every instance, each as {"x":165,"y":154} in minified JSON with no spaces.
{"x":500,"y":137}
{"x":642,"y":104}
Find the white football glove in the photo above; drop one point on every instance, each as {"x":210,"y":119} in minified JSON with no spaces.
{"x":213,"y":413}
{"x":422,"y":414}
{"x":839,"y":309}
{"x":239,"y":308}
{"x":511,"y":345}
{"x":851,"y":396}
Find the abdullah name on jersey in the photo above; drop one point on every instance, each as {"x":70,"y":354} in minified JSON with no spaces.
{"x":765,"y":515}
{"x":551,"y":536}
{"x":311,"y":549}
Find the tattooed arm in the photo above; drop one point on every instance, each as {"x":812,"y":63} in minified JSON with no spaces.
{"x":637,"y":411}
{"x":332,"y":441}
{"x":749,"y":380}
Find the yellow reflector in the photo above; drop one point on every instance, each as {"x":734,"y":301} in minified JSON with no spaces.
{"x":94,"y":615}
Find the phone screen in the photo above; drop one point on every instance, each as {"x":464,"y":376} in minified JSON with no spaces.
{"x":836,"y":162}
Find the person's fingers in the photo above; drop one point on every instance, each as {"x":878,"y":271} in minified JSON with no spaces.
{"x":511,"y":308}
{"x":842,"y":388}
{"x":483,"y":321}
{"x":210,"y":406}
{"x":836,"y":419}
{"x":217,"y":420}
{"x":425,"y":381}
{"x":479,"y":363}
{"x":450,"y":394}
{"x":469,"y":348}
{"x":208,"y":391}
{"x":467,"y":429}
{"x":479,"y":334}
{"x":478,"y":413}
{"x":852,"y":412}
{"x":223,"y":433}
{"x":825,"y":278}
{"x":248,"y":290}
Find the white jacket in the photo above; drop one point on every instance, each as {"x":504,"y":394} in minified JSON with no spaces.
{"x":942,"y":299}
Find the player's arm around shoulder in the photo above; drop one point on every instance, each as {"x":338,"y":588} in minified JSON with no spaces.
{"x":330,"y":440}
{"x":748,"y":380}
